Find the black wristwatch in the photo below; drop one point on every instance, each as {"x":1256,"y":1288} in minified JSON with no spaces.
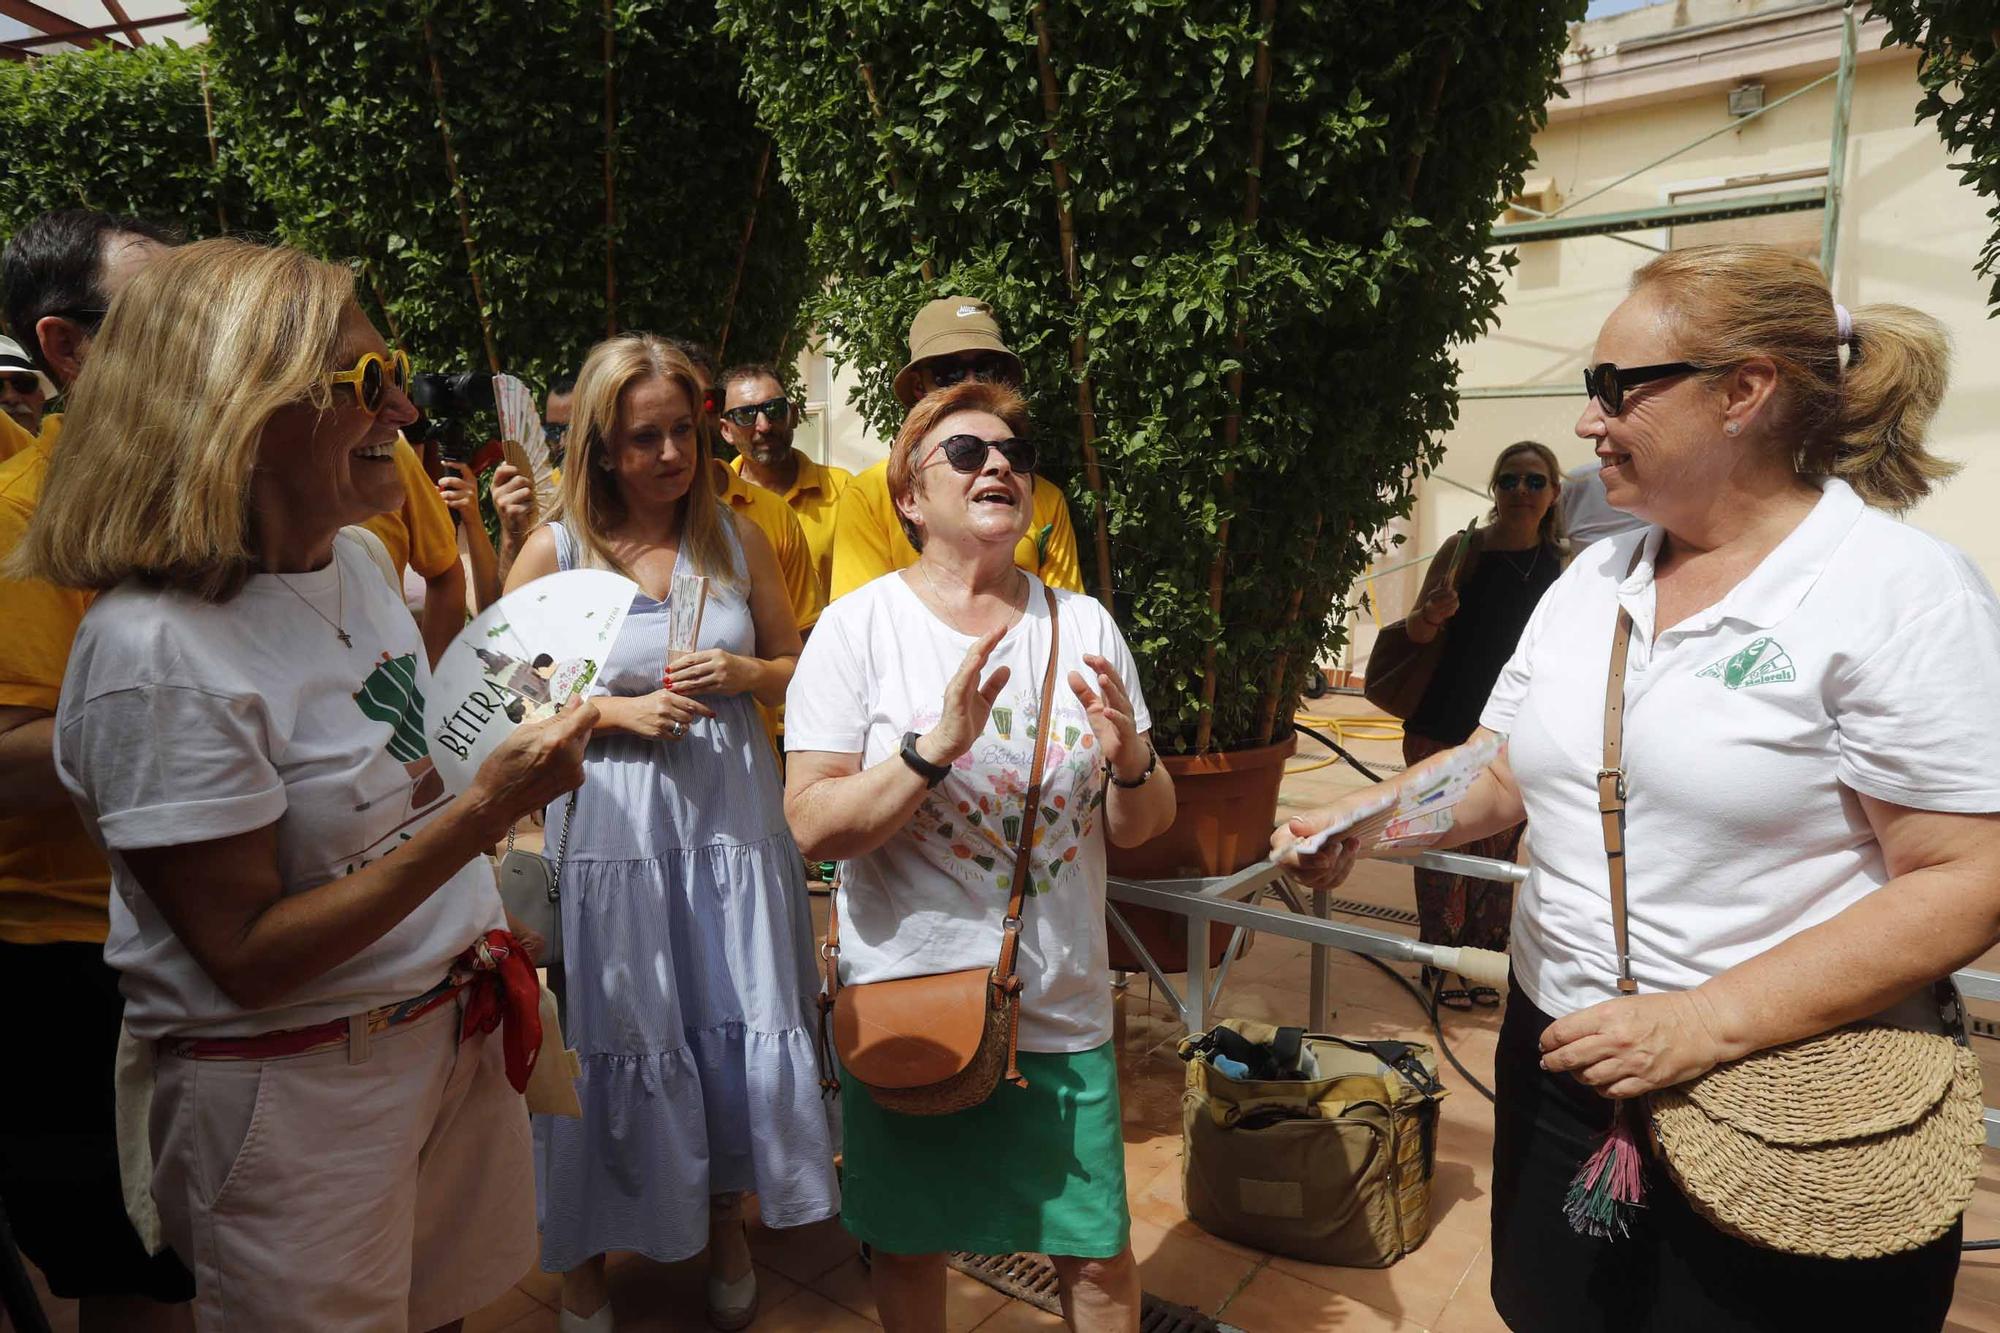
{"x":932,"y":774}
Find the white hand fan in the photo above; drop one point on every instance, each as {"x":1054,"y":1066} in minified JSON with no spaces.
{"x":526,"y":656}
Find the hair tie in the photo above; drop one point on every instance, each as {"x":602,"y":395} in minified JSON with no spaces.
{"x":1846,"y":321}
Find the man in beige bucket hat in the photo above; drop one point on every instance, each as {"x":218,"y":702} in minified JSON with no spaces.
{"x":951,"y":340}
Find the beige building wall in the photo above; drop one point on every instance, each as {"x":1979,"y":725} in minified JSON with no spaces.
{"x":1645,"y":83}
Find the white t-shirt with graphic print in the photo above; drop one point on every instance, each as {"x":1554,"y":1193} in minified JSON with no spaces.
{"x":931,"y":899}
{"x":1862,"y":656}
{"x":183,"y":721}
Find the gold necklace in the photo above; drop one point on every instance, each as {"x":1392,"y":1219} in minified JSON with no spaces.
{"x":943,"y":612}
{"x":340,"y":584}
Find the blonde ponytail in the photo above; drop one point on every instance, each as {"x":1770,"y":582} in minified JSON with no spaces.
{"x":1897,"y":368}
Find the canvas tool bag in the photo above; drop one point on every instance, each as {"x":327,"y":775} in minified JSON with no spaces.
{"x":1860,"y":1142}
{"x":936,"y":1044}
{"x":1399,"y":668}
{"x":1333,"y":1167}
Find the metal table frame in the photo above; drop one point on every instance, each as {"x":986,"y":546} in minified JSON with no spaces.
{"x":1236,"y":900}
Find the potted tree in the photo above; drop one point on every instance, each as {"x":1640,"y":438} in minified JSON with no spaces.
{"x":1234,"y":244}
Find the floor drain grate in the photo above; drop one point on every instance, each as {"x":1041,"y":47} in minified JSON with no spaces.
{"x":1031,"y":1278}
{"x":1402,"y":916}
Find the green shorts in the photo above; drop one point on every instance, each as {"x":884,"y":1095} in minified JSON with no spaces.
{"x":1038,"y":1169}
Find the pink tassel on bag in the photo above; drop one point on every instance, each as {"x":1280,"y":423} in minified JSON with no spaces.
{"x":1610,"y":1188}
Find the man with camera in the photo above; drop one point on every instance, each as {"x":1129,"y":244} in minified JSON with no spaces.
{"x":59,"y":1179}
{"x":951,"y":340}
{"x":420,"y":536}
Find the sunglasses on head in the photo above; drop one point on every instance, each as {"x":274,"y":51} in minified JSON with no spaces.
{"x":372,"y":375}
{"x":779,"y":410}
{"x":21,"y":383}
{"x":989,"y":367}
{"x":967,"y":453}
{"x":1513,"y":481}
{"x":1607,"y":383}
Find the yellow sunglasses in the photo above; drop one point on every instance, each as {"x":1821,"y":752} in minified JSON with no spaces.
{"x":372,"y":375}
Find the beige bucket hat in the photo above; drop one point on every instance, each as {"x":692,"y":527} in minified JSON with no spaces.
{"x":947,"y":327}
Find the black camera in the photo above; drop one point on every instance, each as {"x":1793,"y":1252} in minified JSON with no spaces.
{"x":446,"y":400}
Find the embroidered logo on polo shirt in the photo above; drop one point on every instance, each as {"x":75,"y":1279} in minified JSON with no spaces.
{"x":1764,"y":662}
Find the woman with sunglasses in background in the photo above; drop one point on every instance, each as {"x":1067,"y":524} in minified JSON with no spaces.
{"x":911,"y":731}
{"x":687,"y":937}
{"x":1514,"y":557}
{"x":311,"y":947}
{"x":1803,"y":802}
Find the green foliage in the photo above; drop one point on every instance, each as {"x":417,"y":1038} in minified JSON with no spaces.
{"x":1392,"y":131}
{"x":343,"y":129}
{"x":1959,"y":69}
{"x":121,"y":131}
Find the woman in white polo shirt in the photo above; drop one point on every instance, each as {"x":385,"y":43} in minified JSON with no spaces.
{"x":1812,"y":738}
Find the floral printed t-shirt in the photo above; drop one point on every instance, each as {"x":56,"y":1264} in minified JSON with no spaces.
{"x":932,"y":897}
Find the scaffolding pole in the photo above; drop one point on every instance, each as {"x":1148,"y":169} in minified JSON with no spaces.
{"x":1836,"y":163}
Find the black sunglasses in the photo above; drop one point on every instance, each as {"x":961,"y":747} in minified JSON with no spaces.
{"x":967,"y":453}
{"x":991,"y":368}
{"x":89,"y":316}
{"x":778,"y":410}
{"x":1607,"y":383}
{"x":1511,"y":481}
{"x":22,"y":384}
{"x":553,"y":432}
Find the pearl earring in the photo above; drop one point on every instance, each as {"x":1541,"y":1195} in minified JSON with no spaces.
{"x":1732,"y":428}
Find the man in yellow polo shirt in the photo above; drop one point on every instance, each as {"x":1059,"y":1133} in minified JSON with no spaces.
{"x":420,"y":536}
{"x":758,"y":422}
{"x":59,"y":1181}
{"x":24,"y":395}
{"x":951,"y":340}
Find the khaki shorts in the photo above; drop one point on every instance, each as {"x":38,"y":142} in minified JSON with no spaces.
{"x":384,"y":1185}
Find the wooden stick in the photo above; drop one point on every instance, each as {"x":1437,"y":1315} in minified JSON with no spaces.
{"x":1267,"y":706}
{"x":742,"y":257}
{"x":610,"y":170}
{"x":895,"y":173}
{"x":1232,"y":425}
{"x":458,"y":197}
{"x":208,"y":118}
{"x":1079,"y":344}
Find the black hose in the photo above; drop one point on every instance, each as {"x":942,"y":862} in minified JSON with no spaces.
{"x":1340,"y":750}
{"x":1430,"y":1008}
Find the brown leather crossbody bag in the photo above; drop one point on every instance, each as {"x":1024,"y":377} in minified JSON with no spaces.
{"x":936,"y":1044}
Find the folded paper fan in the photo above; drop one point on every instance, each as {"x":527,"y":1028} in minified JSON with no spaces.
{"x":1417,"y":815}
{"x":521,"y":424}
{"x":526,"y":657}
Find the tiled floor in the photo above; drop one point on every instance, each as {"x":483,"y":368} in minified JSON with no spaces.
{"x":812,"y":1281}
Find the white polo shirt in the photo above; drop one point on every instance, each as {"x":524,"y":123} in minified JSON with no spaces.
{"x":1862,"y":655}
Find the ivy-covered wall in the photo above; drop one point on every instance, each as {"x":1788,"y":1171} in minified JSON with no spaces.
{"x":124,"y":132}
{"x":459,"y":150}
{"x":1235,"y":242}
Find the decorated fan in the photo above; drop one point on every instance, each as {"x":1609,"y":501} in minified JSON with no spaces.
{"x":1418,"y":815}
{"x":687,"y":598}
{"x":526,"y":656}
{"x":521,"y":436}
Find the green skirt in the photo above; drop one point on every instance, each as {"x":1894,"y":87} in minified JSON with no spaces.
{"x":1039,"y":1169}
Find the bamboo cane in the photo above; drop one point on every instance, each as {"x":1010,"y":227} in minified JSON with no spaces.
{"x":742,"y":257}
{"x":1232,"y":425}
{"x":610,"y":170}
{"x":895,"y":172}
{"x":458,"y":197}
{"x":1079,"y":344}
{"x":214,"y":158}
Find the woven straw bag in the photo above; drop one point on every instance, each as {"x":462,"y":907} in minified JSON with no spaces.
{"x":1861,"y":1142}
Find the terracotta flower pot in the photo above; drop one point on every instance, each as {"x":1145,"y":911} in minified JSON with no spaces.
{"x":1228,"y":803}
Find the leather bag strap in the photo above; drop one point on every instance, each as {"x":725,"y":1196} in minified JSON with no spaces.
{"x":1612,"y":788}
{"x":1024,"y":846}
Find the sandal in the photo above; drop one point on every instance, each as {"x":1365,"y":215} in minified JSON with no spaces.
{"x":1455,"y":998}
{"x":1484,"y":996}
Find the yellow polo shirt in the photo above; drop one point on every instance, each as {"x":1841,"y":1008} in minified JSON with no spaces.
{"x":13,"y":439}
{"x":775,"y":520}
{"x":814,"y":500}
{"x":54,"y":884}
{"x":868,"y":540}
{"x":419,"y":535}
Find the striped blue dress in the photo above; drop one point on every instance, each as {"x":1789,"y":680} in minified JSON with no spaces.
{"x":689,"y":981}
